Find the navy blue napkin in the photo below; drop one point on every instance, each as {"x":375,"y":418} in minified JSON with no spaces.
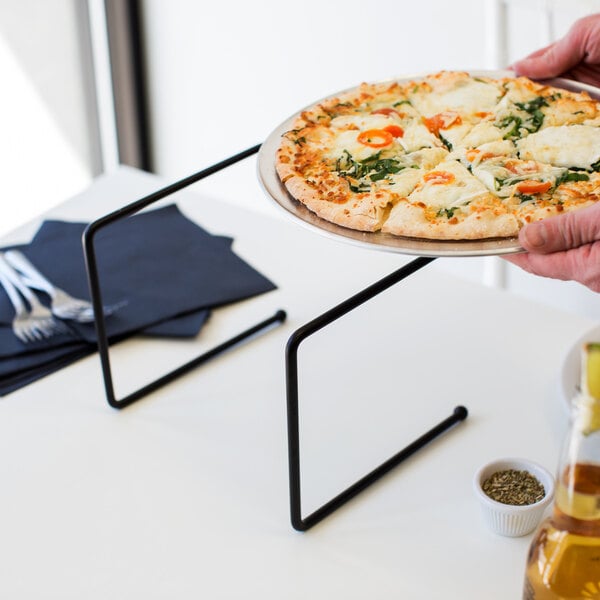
{"x":71,"y":233}
{"x":155,"y":265}
{"x":14,"y":381}
{"x":188,"y":325}
{"x":164,"y":272}
{"x":183,"y":326}
{"x":13,"y":365}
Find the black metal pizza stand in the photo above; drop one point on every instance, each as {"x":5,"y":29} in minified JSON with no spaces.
{"x":291,"y":353}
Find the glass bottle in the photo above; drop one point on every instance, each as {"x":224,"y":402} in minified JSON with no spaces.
{"x":564,"y":557}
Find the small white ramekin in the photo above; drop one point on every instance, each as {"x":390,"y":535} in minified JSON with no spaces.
{"x":506,"y":519}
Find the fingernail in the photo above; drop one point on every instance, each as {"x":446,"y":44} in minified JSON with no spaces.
{"x":534,"y":235}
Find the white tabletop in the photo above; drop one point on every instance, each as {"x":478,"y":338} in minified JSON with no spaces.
{"x":185,"y":494}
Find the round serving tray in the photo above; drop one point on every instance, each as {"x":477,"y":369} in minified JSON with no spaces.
{"x":382,"y":241}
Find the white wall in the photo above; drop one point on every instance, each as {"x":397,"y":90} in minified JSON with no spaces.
{"x":223,"y":75}
{"x":47,"y":118}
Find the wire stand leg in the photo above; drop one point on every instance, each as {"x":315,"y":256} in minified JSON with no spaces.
{"x":89,"y":253}
{"x":459,"y":414}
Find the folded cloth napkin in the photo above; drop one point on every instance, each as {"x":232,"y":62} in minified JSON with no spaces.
{"x":23,"y":369}
{"x":163,"y":272}
{"x":13,"y":365}
{"x":14,"y":381}
{"x":181,"y":326}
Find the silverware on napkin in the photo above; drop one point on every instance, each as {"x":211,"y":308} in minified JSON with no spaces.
{"x":29,"y":324}
{"x":63,"y":305}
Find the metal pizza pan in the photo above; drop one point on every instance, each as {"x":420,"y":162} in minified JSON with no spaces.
{"x":294,"y":209}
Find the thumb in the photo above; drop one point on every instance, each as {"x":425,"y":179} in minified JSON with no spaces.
{"x":564,"y":232}
{"x":554,"y":59}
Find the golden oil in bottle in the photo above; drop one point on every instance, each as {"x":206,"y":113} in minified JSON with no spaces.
{"x":564,"y":558}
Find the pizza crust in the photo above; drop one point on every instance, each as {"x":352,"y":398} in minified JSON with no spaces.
{"x":409,"y":220}
{"x":364,"y":213}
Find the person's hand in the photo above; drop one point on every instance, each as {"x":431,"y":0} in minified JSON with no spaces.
{"x":566,"y":247}
{"x":576,"y":56}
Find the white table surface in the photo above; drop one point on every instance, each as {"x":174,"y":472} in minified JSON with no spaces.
{"x":185,"y":494}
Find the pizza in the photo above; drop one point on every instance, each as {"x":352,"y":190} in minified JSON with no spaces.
{"x":450,"y":156}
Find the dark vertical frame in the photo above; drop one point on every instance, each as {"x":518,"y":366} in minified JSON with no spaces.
{"x":126,"y":47}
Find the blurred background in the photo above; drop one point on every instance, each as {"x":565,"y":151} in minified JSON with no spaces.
{"x":174,"y":86}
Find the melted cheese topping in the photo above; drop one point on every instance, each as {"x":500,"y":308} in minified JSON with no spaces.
{"x":565,"y":146}
{"x":453,"y":135}
{"x":346,"y":130}
{"x":417,"y":136}
{"x":502,"y":181}
{"x":348,"y":141}
{"x":516,"y":91}
{"x":566,"y":111}
{"x":466,"y":97}
{"x":483,"y":133}
{"x":404,"y":183}
{"x":464,"y":189}
{"x":365,"y":121}
{"x":418,"y":163}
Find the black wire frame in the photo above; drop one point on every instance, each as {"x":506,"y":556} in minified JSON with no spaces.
{"x":459,"y":414}
{"x":96,"y":294}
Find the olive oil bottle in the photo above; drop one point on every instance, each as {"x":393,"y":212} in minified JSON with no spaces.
{"x":564,"y":557}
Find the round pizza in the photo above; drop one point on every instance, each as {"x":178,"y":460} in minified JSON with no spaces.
{"x":451,"y":156}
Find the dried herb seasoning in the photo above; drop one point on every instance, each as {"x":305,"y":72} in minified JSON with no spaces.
{"x":514,"y":487}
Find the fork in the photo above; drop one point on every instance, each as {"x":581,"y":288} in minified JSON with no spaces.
{"x":20,"y":324}
{"x":28,"y":325}
{"x":63,"y":305}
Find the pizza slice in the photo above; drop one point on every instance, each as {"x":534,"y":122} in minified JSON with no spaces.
{"x":532,"y":190}
{"x":562,"y":107}
{"x":452,"y":103}
{"x":571,"y":146}
{"x":506,"y":121}
{"x":450,"y":203}
{"x":507,"y":177}
{"x":526,"y":108}
{"x":393,"y":129}
{"x":519,"y":112}
{"x":359,"y":193}
{"x":576,"y":191}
